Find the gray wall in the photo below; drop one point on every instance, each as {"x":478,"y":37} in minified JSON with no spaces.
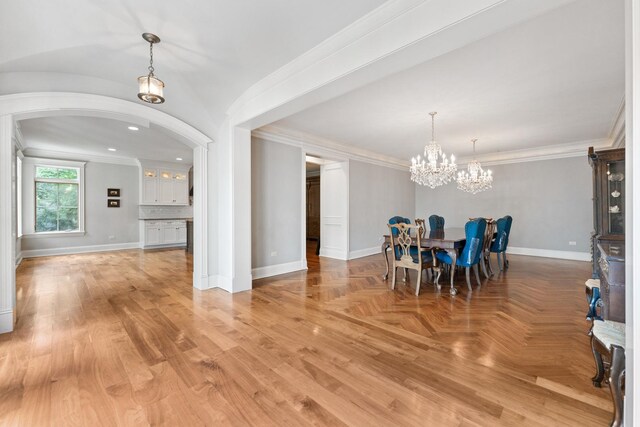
{"x":276,"y":212}
{"x":376,"y":193}
{"x":550,"y":202}
{"x":100,"y":221}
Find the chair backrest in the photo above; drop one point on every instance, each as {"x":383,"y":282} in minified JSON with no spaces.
{"x":398,"y":220}
{"x":488,"y":233}
{"x":436,"y":222}
{"x":403,"y":240}
{"x":421,"y":223}
{"x":474,"y":232}
{"x":503,"y":229}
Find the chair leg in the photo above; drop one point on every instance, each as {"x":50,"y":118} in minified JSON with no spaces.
{"x":393,"y":280}
{"x":615,"y":376}
{"x":599,"y":376}
{"x":467,"y":271}
{"x":500,"y":262}
{"x":404,"y":279}
{"x":418,"y":282}
{"x":475,"y":270}
{"x":488,"y":261}
{"x":505,"y":261}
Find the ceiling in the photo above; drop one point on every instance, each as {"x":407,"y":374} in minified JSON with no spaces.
{"x":93,"y":136}
{"x":556,"y":79}
{"x":211,"y":51}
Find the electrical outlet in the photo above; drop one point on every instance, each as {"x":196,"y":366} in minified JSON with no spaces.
{"x":572,"y":243}
{"x":274,"y":253}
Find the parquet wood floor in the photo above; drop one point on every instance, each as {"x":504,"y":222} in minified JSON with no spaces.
{"x":122,"y":338}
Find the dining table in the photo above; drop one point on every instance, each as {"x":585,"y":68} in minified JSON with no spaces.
{"x":450,"y":240}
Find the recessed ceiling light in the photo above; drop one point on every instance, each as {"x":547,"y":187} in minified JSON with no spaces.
{"x":133,"y":128}
{"x":111,"y":149}
{"x":178,"y":158}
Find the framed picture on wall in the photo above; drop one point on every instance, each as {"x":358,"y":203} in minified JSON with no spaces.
{"x":113,"y":192}
{"x":113,"y":203}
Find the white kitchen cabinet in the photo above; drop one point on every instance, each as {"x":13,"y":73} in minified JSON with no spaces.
{"x":164,"y":187}
{"x":165,"y":233}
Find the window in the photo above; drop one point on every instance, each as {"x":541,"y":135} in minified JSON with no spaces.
{"x":57,"y":201}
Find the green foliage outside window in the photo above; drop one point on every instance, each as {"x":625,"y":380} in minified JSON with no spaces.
{"x":56,"y":202}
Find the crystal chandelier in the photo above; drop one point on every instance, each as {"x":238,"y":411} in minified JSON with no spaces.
{"x":150,"y":88}
{"x":474,"y":179}
{"x":426,"y":170}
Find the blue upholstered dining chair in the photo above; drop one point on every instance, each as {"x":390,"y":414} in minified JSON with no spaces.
{"x":499,"y":245}
{"x":436,"y":222}
{"x":406,"y":254}
{"x":471,"y":253}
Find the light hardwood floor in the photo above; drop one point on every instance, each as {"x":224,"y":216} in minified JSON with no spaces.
{"x":122,"y":338}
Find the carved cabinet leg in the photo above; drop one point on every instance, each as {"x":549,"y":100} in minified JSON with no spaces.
{"x":597,"y":379}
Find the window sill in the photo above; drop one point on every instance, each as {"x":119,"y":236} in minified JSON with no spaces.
{"x":43,"y":235}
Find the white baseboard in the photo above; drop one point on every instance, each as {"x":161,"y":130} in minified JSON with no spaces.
{"x":6,"y":321}
{"x":217,"y":281}
{"x":275,"y":270}
{"x":548,"y":253}
{"x":19,"y":259}
{"x":334,"y":253}
{"x":360,"y":253}
{"x":166,"y":245}
{"x":79,"y":249}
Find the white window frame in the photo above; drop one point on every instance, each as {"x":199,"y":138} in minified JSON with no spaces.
{"x":34,"y":163}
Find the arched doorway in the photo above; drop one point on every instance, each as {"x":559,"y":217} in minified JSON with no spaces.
{"x":44,"y":104}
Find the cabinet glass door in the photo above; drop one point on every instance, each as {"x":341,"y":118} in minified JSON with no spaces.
{"x":615,"y":197}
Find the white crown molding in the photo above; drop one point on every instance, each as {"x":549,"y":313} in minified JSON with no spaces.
{"x":617,"y":133}
{"x":52,"y":154}
{"x":547,"y":152}
{"x":18,"y":136}
{"x":325,"y":147}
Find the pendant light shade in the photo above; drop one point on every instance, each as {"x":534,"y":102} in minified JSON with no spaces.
{"x":151,"y":88}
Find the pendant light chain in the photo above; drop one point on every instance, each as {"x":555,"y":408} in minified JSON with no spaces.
{"x":151,"y":69}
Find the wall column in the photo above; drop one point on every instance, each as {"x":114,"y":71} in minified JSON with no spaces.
{"x":233,"y":186}
{"x":7,"y":237}
{"x":200,"y":219}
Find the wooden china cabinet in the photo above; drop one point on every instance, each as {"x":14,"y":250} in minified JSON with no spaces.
{"x":607,"y":245}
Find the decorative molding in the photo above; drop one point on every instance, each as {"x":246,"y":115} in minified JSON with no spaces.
{"x":34,"y":253}
{"x":334,"y":253}
{"x":18,"y":137}
{"x":7,"y":236}
{"x":548,"y":253}
{"x":617,"y":133}
{"x":361,"y":253}
{"x":6,"y":321}
{"x":61,"y":155}
{"x":327,"y":148}
{"x":316,"y":144}
{"x":276,"y":270}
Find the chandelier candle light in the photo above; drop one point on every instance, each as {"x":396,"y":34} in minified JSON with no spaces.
{"x":150,"y":88}
{"x":427,"y":171}
{"x":474,"y":179}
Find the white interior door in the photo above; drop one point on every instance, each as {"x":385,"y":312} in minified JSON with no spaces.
{"x":334,"y":210}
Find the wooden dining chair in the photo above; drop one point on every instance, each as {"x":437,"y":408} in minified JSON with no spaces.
{"x":436,"y":222}
{"x":405,"y":239}
{"x":499,"y":245}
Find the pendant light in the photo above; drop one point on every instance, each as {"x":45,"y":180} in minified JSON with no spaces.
{"x":150,"y":88}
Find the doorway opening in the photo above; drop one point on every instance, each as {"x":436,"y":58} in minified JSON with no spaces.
{"x":312,"y":210}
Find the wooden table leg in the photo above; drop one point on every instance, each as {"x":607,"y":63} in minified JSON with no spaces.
{"x":385,"y":246}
